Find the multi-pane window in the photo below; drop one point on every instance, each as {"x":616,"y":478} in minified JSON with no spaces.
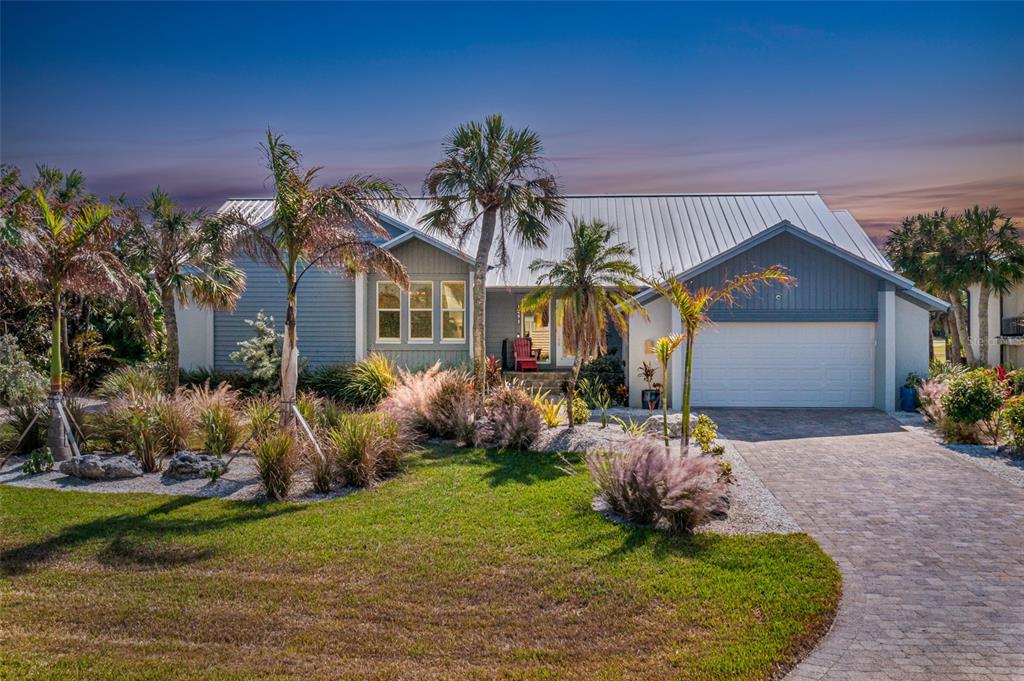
{"x":389,"y":312}
{"x":421,"y":312}
{"x":453,"y":310}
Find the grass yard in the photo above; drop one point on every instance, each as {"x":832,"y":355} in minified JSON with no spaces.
{"x":475,"y":564}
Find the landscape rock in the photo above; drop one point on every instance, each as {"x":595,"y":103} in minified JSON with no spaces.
{"x":188,"y":465}
{"x":675,"y":424}
{"x":93,"y":467}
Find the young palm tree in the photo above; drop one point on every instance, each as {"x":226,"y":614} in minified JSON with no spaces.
{"x":593,"y":282}
{"x":496,"y":177}
{"x":65,"y":245}
{"x":331,"y":226}
{"x":664,"y":348}
{"x":191,"y":263}
{"x":985,"y":250}
{"x":694,"y":307}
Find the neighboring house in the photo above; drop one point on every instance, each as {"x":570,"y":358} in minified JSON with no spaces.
{"x":845,"y":336}
{"x":1005,"y":342}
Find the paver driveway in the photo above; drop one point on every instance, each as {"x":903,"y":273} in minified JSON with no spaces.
{"x":931,"y":547}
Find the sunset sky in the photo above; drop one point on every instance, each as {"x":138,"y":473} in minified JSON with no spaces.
{"x":884,"y":109}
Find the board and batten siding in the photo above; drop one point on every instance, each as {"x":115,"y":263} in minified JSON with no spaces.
{"x":827,"y":289}
{"x":423,"y":262}
{"x":326,"y":315}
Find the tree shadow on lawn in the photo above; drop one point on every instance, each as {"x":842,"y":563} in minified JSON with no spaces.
{"x":139,"y":539}
{"x":506,"y":466}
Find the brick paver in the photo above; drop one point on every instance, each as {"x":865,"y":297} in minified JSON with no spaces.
{"x":931,"y":547}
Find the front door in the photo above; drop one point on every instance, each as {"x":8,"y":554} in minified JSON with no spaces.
{"x":562,"y":359}
{"x":537,"y":327}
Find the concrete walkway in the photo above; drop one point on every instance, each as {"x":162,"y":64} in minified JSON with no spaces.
{"x":931,"y":547}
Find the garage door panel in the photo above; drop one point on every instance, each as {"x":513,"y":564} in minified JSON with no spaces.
{"x":805,"y":364}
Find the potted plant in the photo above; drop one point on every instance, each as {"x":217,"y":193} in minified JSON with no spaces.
{"x":650,"y":397}
{"x":908,"y":393}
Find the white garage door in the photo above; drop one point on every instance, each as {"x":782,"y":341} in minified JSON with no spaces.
{"x":791,"y":364}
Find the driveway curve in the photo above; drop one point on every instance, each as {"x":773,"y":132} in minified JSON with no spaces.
{"x":931,"y":547}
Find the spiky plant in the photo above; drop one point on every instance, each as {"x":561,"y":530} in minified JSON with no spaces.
{"x":330,"y":226}
{"x":593,"y":282}
{"x":492,"y":180}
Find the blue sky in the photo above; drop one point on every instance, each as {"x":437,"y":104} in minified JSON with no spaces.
{"x":884,"y":108}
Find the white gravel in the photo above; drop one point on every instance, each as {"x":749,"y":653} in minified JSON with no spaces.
{"x":753,"y":509}
{"x":239,"y":483}
{"x":997,"y":462}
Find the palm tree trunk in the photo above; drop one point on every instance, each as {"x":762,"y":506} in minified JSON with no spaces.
{"x":571,"y":388}
{"x":664,"y":401}
{"x":171,"y":326}
{"x":983,"y":339}
{"x":687,"y":370}
{"x":56,"y":437}
{"x":954,"y":337}
{"x":289,"y":363}
{"x":483,"y":254}
{"x":960,"y":317}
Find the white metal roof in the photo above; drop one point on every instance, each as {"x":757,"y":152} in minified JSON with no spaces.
{"x":676,"y":232}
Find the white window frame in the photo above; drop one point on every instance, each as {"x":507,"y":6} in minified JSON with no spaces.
{"x":378,"y":309}
{"x":411,"y":309}
{"x":465,"y":291}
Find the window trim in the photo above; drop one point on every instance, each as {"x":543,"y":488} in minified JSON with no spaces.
{"x":378,"y":309}
{"x":410,"y":309}
{"x":463,"y":309}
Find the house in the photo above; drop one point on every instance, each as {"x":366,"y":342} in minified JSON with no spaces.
{"x":845,"y":336}
{"x":1005,"y":341}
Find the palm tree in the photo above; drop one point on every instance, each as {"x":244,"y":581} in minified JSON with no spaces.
{"x":986,"y":251}
{"x":495,"y":176}
{"x":65,"y":245}
{"x":922,"y":249}
{"x":593,"y":282}
{"x":331,"y":226}
{"x":190,"y":263}
{"x":664,"y":348}
{"x":694,"y":307}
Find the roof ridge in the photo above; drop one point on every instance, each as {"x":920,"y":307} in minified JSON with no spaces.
{"x":613,"y":195}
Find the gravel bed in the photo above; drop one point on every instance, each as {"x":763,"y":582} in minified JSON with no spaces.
{"x":240,"y":483}
{"x":753,"y":509}
{"x":997,"y":462}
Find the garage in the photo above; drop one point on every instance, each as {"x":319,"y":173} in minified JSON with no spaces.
{"x":791,"y":364}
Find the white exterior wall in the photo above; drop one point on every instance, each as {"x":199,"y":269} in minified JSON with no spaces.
{"x":885,"y":351}
{"x":912,"y":338}
{"x":195,"y":337}
{"x":641,"y":331}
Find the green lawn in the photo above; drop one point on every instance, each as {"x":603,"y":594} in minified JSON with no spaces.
{"x":474,"y":564}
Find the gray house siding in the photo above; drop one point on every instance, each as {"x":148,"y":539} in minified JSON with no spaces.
{"x":828,"y":289}
{"x":423,"y":262}
{"x":326,"y":315}
{"x":502,"y":319}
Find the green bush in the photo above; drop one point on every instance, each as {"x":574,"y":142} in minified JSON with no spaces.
{"x":261,"y":354}
{"x":262,"y":414}
{"x":19,"y":418}
{"x":139,"y":380}
{"x":1016,"y":379}
{"x":329,"y":381}
{"x":580,"y":412}
{"x":40,"y":461}
{"x":20,"y":383}
{"x":221,"y":428}
{"x":367,"y":447}
{"x":973,"y":396}
{"x":275,"y":462}
{"x":242,"y":382}
{"x":1013,"y":420}
{"x":705,"y":433}
{"x":370,"y":380}
{"x":609,"y":371}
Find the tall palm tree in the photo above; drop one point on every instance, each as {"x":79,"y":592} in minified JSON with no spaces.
{"x":594,"y":283}
{"x":923,"y":250}
{"x":331,"y":226}
{"x":986,"y":251}
{"x":65,"y":245}
{"x":495,"y":177}
{"x":191,"y":262}
{"x":694,"y":308}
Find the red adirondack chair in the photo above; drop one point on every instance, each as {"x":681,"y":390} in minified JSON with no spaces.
{"x":522,"y":350}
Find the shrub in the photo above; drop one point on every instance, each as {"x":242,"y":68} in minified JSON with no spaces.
{"x":261,"y":354}
{"x":262,"y":414}
{"x":370,"y":380}
{"x":408,"y":404}
{"x":596,"y":396}
{"x":40,"y":461}
{"x":222,"y":430}
{"x":20,"y":418}
{"x":321,"y":469}
{"x":275,"y":461}
{"x":633,"y":428}
{"x":131,"y":425}
{"x":608,"y":371}
{"x":367,"y":447}
{"x":931,"y":393}
{"x":242,"y":382}
{"x":705,"y":433}
{"x":972,"y":396}
{"x":201,"y":397}
{"x":138,"y":381}
{"x":513,"y":420}
{"x":648,"y":485}
{"x":175,"y":422}
{"x":454,"y":409}
{"x":550,"y":410}
{"x":1013,"y":419}
{"x":1016,"y":379}
{"x":20,"y":383}
{"x":329,"y":381}
{"x":580,"y":413}
{"x":944,"y":371}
